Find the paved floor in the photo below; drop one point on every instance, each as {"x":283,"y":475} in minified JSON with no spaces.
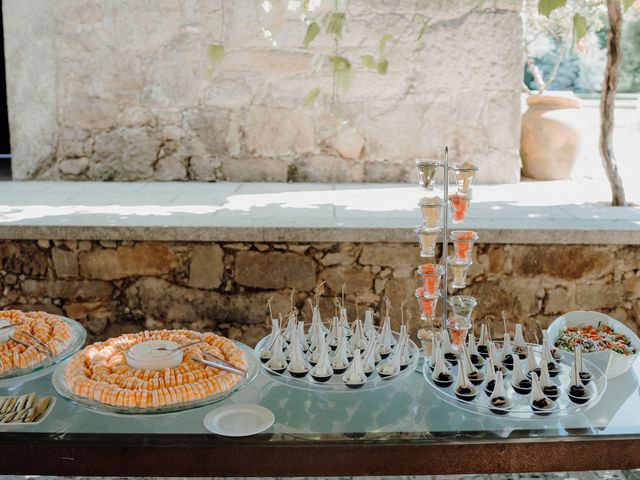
{"x":528,"y":212}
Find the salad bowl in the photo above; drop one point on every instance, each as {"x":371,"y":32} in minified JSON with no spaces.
{"x":609,"y":361}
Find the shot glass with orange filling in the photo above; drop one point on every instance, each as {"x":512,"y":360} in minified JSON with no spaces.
{"x":463,"y":241}
{"x":431,"y":209}
{"x":459,"y":322}
{"x":428,"y":238}
{"x":459,"y":269}
{"x":459,"y":205}
{"x":427,"y":170}
{"x":465,"y":176}
{"x":427,"y":304}
{"x":431,"y":274}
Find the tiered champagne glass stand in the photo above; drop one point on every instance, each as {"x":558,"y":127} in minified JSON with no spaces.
{"x":453,"y":330}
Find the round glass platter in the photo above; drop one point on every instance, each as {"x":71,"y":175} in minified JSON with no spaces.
{"x":521,"y":409}
{"x":253,"y":367}
{"x":18,"y":376}
{"x":336,"y":383}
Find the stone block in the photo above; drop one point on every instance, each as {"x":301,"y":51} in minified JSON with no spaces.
{"x":82,"y":310}
{"x":358,"y":282}
{"x":65,"y":262}
{"x":23,"y":258}
{"x":74,"y":166}
{"x":599,"y":296}
{"x":560,"y":300}
{"x":142,"y":259}
{"x":349,"y":143}
{"x":567,"y":262}
{"x":273,"y":270}
{"x":67,"y":289}
{"x":632,"y":287}
{"x":390,"y":255}
{"x":254,"y":170}
{"x":207,"y":266}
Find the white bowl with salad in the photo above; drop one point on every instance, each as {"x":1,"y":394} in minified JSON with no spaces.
{"x":608,"y":343}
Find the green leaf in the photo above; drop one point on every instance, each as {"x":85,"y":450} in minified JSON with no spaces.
{"x":545,"y":7}
{"x":383,"y":42}
{"x":335,"y":23}
{"x":344,"y":79}
{"x":422,"y":31}
{"x":382,"y":66}
{"x":317,"y":61}
{"x":312,"y":32}
{"x":340,"y":64}
{"x":580,"y":27}
{"x":369,"y":61}
{"x":216,"y":52}
{"x":312,"y":96}
{"x":626,"y":4}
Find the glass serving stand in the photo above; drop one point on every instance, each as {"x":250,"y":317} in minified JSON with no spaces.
{"x":335,"y":383}
{"x":521,"y":409}
{"x":253,"y":367}
{"x":17,"y":376}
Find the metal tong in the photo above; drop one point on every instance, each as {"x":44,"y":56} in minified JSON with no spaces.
{"x":220,"y":363}
{"x":180,"y":347}
{"x":38,"y":343}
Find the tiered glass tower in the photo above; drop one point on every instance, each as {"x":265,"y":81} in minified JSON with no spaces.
{"x":451,"y":271}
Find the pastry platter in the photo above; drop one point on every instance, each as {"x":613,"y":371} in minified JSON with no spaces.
{"x":156,"y":372}
{"x":34,"y":343}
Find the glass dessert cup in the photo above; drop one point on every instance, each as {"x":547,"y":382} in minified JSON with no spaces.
{"x":463,"y":241}
{"x":459,"y":204}
{"x":431,"y":274}
{"x":427,"y":305}
{"x":428,"y":238}
{"x":458,"y":328}
{"x":427,"y":170}
{"x":459,"y":270}
{"x":465,"y":176}
{"x":431,"y":209}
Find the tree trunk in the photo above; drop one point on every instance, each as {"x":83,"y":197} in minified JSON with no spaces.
{"x":607,"y":102}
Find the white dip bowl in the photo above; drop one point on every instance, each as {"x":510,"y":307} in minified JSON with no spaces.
{"x":147,"y":356}
{"x":610,"y":362}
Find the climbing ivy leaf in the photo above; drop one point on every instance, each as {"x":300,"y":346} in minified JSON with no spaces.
{"x":369,"y":62}
{"x":382,"y":66}
{"x":383,"y":42}
{"x":335,"y":23}
{"x":344,"y":79}
{"x":580,"y":27}
{"x":545,"y":7}
{"x":316,"y":62}
{"x":339,"y":63}
{"x":312,"y":32}
{"x":626,"y":4}
{"x":312,"y":96}
{"x":216,"y":52}
{"x":423,"y":30}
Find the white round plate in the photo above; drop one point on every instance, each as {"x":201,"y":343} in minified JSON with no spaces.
{"x":239,"y":420}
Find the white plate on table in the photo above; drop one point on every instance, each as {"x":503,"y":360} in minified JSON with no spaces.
{"x":239,"y":420}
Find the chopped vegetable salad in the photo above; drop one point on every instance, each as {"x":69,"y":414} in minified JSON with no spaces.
{"x":594,"y":339}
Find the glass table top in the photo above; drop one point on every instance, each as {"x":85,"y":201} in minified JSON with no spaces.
{"x":403,"y":411}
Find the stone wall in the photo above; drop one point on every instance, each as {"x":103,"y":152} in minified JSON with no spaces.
{"x":122,"y":90}
{"x":115,"y":287}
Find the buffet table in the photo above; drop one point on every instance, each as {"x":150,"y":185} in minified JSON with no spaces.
{"x":402,"y":428}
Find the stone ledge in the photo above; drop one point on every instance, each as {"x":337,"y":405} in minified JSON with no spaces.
{"x":526,"y":213}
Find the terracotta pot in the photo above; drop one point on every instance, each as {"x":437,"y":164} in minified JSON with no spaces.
{"x":550,"y":142}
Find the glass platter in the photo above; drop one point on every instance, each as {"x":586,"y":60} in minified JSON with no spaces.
{"x":20,"y":375}
{"x":253,"y":367}
{"x":521,"y":409}
{"x":335,"y":383}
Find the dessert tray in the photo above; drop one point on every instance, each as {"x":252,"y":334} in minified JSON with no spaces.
{"x":342,"y":358}
{"x":32,"y":344}
{"x":156,"y":372}
{"x":553,"y":386}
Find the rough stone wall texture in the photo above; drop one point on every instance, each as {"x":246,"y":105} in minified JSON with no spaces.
{"x":115,"y":287}
{"x":120,"y":90}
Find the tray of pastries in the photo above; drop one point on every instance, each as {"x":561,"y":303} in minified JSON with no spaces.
{"x":156,"y":372}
